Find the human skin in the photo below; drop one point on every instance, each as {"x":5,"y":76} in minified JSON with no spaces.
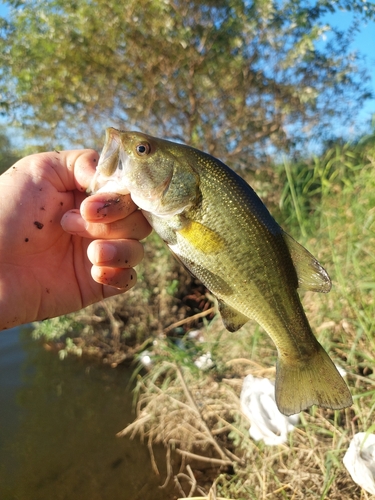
{"x":61,"y":250}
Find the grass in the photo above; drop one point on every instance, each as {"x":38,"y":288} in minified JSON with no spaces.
{"x":327,"y":204}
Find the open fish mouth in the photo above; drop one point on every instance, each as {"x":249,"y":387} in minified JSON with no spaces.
{"x":110,"y":172}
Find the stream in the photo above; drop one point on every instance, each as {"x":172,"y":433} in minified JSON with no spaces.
{"x":58,"y":425}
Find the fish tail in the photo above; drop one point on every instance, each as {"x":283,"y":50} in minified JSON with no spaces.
{"x":312,"y":381}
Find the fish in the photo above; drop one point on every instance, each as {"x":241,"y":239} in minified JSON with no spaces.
{"x":219,"y":229}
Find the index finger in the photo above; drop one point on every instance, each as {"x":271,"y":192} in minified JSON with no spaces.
{"x":107,"y":207}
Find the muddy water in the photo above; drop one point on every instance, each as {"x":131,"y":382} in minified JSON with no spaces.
{"x":58,"y":421}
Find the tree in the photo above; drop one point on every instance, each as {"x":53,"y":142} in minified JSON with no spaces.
{"x":233,"y":77}
{"x":8,"y":155}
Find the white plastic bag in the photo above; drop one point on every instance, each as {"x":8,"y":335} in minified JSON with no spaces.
{"x":360,"y":461}
{"x":259,"y":405}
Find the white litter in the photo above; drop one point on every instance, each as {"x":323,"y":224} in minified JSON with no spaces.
{"x":145,"y":358}
{"x":204,"y":362}
{"x":360,"y":461}
{"x":259,"y":405}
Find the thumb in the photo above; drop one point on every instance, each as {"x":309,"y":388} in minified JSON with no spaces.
{"x":80,"y":166}
{"x":65,"y":170}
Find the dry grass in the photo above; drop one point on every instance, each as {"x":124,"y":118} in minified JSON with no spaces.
{"x":198,"y":415}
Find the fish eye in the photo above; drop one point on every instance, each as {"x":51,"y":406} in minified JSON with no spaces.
{"x":143,"y":149}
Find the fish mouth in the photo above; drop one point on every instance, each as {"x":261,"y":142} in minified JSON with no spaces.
{"x":109,"y":176}
{"x":109,"y":157}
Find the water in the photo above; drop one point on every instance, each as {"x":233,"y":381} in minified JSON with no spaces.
{"x":58,"y":425}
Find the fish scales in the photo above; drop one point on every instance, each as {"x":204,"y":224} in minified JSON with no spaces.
{"x":217,"y":226}
{"x":250,"y":222}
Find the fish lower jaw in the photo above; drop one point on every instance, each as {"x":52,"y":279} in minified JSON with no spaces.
{"x":153,"y":206}
{"x":113,"y":187}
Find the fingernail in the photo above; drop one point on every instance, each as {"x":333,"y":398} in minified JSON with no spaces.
{"x":98,"y":210}
{"x":102,"y":276}
{"x":105,"y":253}
{"x":73,"y":223}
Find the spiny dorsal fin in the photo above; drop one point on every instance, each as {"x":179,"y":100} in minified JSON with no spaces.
{"x":232,"y":319}
{"x":311,"y":275}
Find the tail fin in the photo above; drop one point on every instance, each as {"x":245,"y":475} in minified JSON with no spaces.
{"x":314,"y":381}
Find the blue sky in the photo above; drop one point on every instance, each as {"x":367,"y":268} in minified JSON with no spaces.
{"x":364,"y":43}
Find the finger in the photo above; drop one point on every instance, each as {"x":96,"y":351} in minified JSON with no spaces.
{"x":67,"y":170}
{"x":134,"y":226}
{"x":115,"y":253}
{"x":123,"y":279}
{"x":83,"y":167}
{"x":107,"y":207}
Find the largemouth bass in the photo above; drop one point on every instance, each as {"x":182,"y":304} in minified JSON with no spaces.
{"x":220,"y":230}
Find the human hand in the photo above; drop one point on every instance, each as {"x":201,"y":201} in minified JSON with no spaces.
{"x":50,"y":231}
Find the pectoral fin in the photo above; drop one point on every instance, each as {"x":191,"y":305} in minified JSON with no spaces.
{"x":311,"y":275}
{"x":211,"y":280}
{"x":232,"y":319}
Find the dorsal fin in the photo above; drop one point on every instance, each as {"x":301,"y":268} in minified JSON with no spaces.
{"x":311,"y":275}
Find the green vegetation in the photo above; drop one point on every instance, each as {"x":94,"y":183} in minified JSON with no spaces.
{"x":7,"y":154}
{"x":327,"y":203}
{"x":236,"y":78}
